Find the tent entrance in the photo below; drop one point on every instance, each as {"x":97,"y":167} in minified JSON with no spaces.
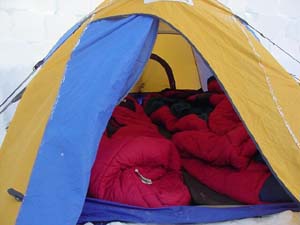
{"x":177,"y":52}
{"x":189,"y":71}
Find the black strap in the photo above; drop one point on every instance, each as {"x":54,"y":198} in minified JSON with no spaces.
{"x":17,"y":195}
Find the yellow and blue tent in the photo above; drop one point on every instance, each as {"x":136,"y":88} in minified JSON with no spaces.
{"x":52,"y":140}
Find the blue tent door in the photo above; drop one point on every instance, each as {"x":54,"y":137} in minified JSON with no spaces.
{"x":104,"y":65}
{"x":96,"y":210}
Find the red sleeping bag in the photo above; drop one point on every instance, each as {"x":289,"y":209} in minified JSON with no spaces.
{"x":218,"y":152}
{"x":241,"y":185}
{"x":136,"y":165}
{"x":193,"y":136}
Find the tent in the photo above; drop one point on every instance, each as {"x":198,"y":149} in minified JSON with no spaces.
{"x":52,"y":140}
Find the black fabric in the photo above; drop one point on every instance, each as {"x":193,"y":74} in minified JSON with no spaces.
{"x":112,"y":127}
{"x":163,"y":131}
{"x":199,"y":105}
{"x":129,"y":104}
{"x":272,"y":191}
{"x":155,"y":103}
{"x":211,"y":79}
{"x":203,"y":195}
{"x":181,"y":108}
{"x":179,"y":94}
{"x":258,"y":158}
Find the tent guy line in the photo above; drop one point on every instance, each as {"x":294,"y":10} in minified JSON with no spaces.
{"x":270,"y":86}
{"x":268,"y":39}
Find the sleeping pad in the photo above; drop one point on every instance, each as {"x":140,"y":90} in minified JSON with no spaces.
{"x":135,"y":164}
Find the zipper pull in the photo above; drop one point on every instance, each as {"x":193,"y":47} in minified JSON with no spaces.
{"x":143,"y":179}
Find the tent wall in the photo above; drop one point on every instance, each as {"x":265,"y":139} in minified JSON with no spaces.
{"x":263,"y":93}
{"x":59,"y":101}
{"x":204,"y":70}
{"x":24,"y":135}
{"x":179,"y":55}
{"x":65,"y":78}
{"x":91,"y":87}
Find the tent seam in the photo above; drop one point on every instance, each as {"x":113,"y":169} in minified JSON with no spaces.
{"x":67,"y":65}
{"x":271,"y":89}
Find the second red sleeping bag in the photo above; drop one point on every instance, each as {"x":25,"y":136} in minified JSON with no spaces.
{"x":135,"y":164}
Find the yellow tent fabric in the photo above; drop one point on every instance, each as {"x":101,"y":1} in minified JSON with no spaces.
{"x":179,"y":55}
{"x":262,"y":92}
{"x":19,"y":149}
